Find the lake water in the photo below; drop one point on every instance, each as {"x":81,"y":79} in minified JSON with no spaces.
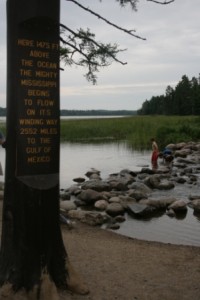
{"x":76,"y":159}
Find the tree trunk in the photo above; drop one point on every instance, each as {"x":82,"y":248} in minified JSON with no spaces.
{"x":33,"y":259}
{"x":31,"y":238}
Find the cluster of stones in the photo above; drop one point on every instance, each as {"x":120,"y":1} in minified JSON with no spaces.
{"x":96,"y":202}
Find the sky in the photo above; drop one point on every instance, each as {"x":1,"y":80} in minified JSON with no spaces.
{"x":171,"y":50}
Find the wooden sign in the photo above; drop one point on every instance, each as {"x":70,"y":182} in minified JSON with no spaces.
{"x":34,"y":96}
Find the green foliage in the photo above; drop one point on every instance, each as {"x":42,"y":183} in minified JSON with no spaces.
{"x":183,"y":100}
{"x":97,"y":112}
{"x":137,"y":131}
{"x":81,"y":49}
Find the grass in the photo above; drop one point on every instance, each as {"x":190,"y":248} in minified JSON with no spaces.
{"x":137,"y":130}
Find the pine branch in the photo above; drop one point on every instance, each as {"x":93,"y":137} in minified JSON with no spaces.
{"x":163,"y":3}
{"x":81,"y":36}
{"x":130,"y":32}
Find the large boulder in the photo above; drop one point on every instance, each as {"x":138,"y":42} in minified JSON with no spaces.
{"x":181,"y":153}
{"x":139,"y":210}
{"x":140,"y":186}
{"x":179,"y":205}
{"x":137,"y":195}
{"x":101,"y":204}
{"x":196,"y":205}
{"x":91,"y":172}
{"x":89,"y":196}
{"x":67,"y":205}
{"x":97,"y":185}
{"x":153,"y":181}
{"x":88,"y":217}
{"x":161,"y":203}
{"x":79,"y":179}
{"x":118,"y":185}
{"x":114,"y":209}
{"x":166,"y":185}
{"x":65,"y":195}
{"x":180,"y":145}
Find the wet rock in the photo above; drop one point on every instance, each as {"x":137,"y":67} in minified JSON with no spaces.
{"x":166,"y":185}
{"x":74,"y":189}
{"x":186,"y":161}
{"x":79,"y":179}
{"x":67,"y":205}
{"x":147,"y":171}
{"x":161,"y":203}
{"x":130,"y":191}
{"x":121,"y":180}
{"x":129,"y":172}
{"x":170,"y":213}
{"x":114,"y":200}
{"x":179,"y":165}
{"x":162,"y":170}
{"x":140,"y":210}
{"x":194,"y":197}
{"x":120,"y":219}
{"x":152,"y":181}
{"x":80,"y":203}
{"x":196,"y":205}
{"x":65,"y":195}
{"x":97,"y":185}
{"x":113,"y":226}
{"x":88,"y":217}
{"x":95,"y":177}
{"x":89,"y":196}
{"x":140,"y":186}
{"x":126,"y":199}
{"x":180,"y":145}
{"x":114,"y":209}
{"x":119,"y":185}
{"x":101,"y":204}
{"x":178,"y":205}
{"x":181,"y":153}
{"x":91,"y":172}
{"x":180,"y":180}
{"x":193,"y":178}
{"x":137,"y":195}
{"x":171,"y":147}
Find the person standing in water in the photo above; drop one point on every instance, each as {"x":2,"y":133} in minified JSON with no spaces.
{"x":155,"y":153}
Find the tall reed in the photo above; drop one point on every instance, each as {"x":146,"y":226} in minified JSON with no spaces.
{"x":137,"y":130}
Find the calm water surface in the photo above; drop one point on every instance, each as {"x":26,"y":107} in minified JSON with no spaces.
{"x":77,"y":159}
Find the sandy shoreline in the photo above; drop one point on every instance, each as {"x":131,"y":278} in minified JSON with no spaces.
{"x":116,"y":267}
{"x":122,"y":268}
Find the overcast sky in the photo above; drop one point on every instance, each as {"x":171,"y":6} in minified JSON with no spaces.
{"x":172,"y":49}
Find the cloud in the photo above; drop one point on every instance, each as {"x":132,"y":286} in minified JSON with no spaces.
{"x":171,"y":50}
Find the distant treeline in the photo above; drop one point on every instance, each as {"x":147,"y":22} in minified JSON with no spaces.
{"x":98,"y":112}
{"x":183,"y":100}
